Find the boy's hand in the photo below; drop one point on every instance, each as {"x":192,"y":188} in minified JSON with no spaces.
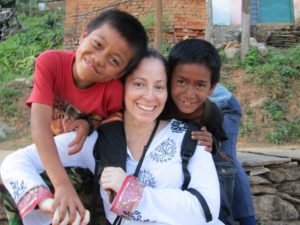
{"x":204,"y":138}
{"x":46,"y":206}
{"x":82,"y":128}
{"x":68,"y":203}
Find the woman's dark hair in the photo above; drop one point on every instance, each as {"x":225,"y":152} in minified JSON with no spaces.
{"x":196,"y":51}
{"x":150,"y":53}
{"x":130,"y":29}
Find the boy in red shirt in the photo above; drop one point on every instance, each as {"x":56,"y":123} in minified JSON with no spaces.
{"x":81,"y":89}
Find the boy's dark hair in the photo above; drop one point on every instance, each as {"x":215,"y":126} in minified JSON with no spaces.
{"x":130,"y":29}
{"x":196,"y":51}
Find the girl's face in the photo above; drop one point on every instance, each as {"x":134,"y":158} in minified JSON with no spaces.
{"x":102,"y":55}
{"x":146,"y":91}
{"x":190,"y":87}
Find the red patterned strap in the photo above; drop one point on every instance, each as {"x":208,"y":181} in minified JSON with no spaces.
{"x":30,"y":200}
{"x":128,"y":196}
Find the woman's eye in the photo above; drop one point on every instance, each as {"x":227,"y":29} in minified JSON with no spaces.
{"x":138,"y":84}
{"x":160,"y":87}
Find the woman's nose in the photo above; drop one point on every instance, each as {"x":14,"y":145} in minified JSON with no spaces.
{"x":149,"y":94}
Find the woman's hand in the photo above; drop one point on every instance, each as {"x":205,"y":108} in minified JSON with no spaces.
{"x":112,"y":179}
{"x":204,"y":138}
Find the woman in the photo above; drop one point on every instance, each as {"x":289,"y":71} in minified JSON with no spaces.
{"x":156,"y":194}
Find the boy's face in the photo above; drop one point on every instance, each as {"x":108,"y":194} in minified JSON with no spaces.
{"x":190,"y":87}
{"x":101,"y":56}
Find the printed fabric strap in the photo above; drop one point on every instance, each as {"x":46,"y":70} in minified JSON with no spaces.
{"x":118,"y":219}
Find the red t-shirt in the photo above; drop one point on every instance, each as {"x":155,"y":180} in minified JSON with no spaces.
{"x":53,"y":85}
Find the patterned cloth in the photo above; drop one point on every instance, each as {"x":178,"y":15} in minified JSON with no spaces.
{"x":82,"y":181}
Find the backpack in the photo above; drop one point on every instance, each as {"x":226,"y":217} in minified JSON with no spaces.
{"x":188,"y":148}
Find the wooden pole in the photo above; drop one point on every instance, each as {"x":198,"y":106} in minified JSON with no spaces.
{"x":245,"y":42}
{"x":209,"y":22}
{"x":158,"y":25}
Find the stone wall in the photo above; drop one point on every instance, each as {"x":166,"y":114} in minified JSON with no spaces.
{"x":274,"y":176}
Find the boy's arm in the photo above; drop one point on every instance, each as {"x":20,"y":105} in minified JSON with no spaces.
{"x":82,"y":128}
{"x":65,"y":194}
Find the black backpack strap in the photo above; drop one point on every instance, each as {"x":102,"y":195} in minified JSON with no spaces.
{"x":109,"y":150}
{"x":203,"y":203}
{"x":96,"y":177}
{"x":188,"y":148}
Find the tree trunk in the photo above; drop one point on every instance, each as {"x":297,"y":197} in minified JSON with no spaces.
{"x":158,"y":25}
{"x":245,"y":43}
{"x":209,"y":22}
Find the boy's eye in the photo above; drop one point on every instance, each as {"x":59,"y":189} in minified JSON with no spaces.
{"x":180,"y":82}
{"x":97,"y":43}
{"x":201,"y":85}
{"x":114,"y":61}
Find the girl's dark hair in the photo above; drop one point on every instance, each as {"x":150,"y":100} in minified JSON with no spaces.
{"x":196,"y":51}
{"x":130,"y":29}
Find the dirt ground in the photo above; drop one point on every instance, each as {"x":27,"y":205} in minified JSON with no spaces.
{"x":250,"y":95}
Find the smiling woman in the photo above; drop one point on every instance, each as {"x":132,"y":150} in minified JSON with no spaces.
{"x":148,"y":91}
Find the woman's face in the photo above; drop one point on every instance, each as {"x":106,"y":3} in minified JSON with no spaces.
{"x":146,"y":91}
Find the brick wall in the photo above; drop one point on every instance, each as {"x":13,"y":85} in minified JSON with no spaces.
{"x":184,"y":17}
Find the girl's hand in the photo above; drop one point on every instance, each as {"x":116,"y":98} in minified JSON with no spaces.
{"x":204,"y":138}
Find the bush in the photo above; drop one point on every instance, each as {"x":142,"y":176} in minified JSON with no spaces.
{"x":284,"y":132}
{"x":279,"y":68}
{"x":17,"y":53}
